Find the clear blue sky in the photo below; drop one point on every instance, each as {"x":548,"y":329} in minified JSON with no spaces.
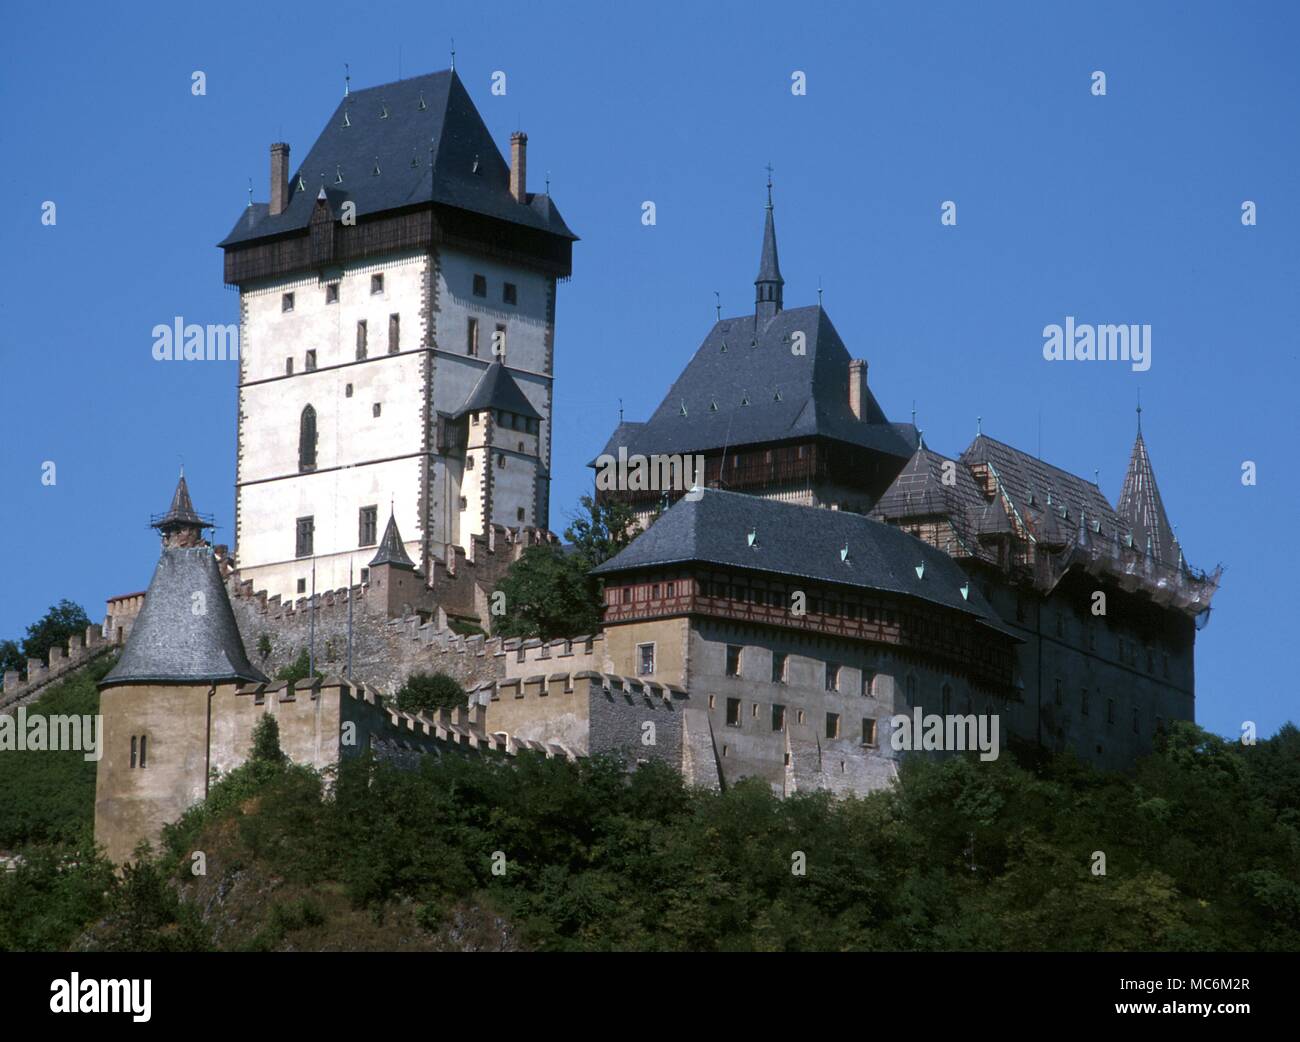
{"x":1124,"y":208}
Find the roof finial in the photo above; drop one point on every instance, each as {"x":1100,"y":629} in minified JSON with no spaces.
{"x":913,"y":412}
{"x":979,"y":425}
{"x":1139,"y":410}
{"x":769,"y":186}
{"x":453,"y":54}
{"x":548,"y":182}
{"x":250,"y":191}
{"x":347,"y":80}
{"x":620,"y":410}
{"x":717,"y":304}
{"x":819,"y":291}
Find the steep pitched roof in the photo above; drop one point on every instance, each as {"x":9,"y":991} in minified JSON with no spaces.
{"x":496,"y":389}
{"x":391,"y":549}
{"x":1029,"y":482}
{"x":806,"y":542}
{"x":429,"y":144}
{"x":170,"y":642}
{"x":1141,"y":506}
{"x":181,"y":512}
{"x":745,"y":385}
{"x":921,"y":491}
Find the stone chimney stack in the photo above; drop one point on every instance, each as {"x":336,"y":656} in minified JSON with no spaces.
{"x":279,"y":178}
{"x":857,"y":385}
{"x":519,"y":166}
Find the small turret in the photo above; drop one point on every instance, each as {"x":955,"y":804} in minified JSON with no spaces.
{"x":769,"y":286}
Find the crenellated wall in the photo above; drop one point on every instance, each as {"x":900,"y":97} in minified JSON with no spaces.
{"x":80,"y":650}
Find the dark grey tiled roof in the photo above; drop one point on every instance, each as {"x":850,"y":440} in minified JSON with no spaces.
{"x":1141,"y":506}
{"x":805,"y":542}
{"x":182,"y":510}
{"x":920,"y":491}
{"x":169,"y":643}
{"x":391,"y":549}
{"x":746,"y":386}
{"x":1028,"y":483}
{"x":496,"y":389}
{"x":448,"y":130}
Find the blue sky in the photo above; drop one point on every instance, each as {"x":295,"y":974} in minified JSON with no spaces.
{"x":1118,"y":209}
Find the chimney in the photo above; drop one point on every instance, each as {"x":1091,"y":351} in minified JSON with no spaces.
{"x":279,"y":178}
{"x":857,"y":385}
{"x":519,"y":166}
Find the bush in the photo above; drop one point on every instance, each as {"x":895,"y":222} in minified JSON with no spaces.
{"x":429,"y":692}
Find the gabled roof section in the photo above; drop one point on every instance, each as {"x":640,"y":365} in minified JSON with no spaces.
{"x":428,"y":144}
{"x":171,"y":644}
{"x":746,"y":385}
{"x":391,"y":549}
{"x":921,"y":490}
{"x":496,"y":389}
{"x":1028,"y":483}
{"x":832,"y":546}
{"x":1141,"y":506}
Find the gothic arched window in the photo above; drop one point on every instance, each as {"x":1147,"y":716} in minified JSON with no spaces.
{"x":307,"y":440}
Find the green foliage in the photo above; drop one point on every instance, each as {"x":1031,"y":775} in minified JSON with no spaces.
{"x":599,"y":530}
{"x":145,"y":914}
{"x":266,"y":740}
{"x":48,"y":900}
{"x":264,"y":646}
{"x":299,"y":669}
{"x":429,"y":692}
{"x":11,"y":658}
{"x":548,"y":595}
{"x":62,"y":621}
{"x":49,"y":797}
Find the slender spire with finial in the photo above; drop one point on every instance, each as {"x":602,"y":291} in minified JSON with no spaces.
{"x":1139,"y":411}
{"x":819,"y":291}
{"x":769,"y":286}
{"x":250,"y":191}
{"x":979,"y":425}
{"x":717,"y":304}
{"x":347,"y":80}
{"x":453,"y":54}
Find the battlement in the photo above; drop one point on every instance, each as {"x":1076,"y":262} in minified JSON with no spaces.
{"x":62,"y":661}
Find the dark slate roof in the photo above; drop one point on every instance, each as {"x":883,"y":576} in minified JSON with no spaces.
{"x":443,"y":139}
{"x":805,"y":542}
{"x":1028,"y":483}
{"x":496,"y":389}
{"x":1141,"y":506}
{"x":919,"y":491}
{"x":391,"y":549}
{"x":182,"y":510}
{"x":789,"y":396}
{"x":169,"y":643}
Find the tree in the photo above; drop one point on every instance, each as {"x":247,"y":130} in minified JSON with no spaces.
{"x":600,"y":529}
{"x":11,"y":657}
{"x":548,"y":594}
{"x":429,"y":692}
{"x":62,"y":621}
{"x":266,"y":740}
{"x":298,"y":669}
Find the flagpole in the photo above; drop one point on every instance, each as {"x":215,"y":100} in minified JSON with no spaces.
{"x":350,"y":592}
{"x":311,"y":654}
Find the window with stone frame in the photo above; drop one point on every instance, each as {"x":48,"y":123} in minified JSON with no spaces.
{"x":471,"y":336}
{"x":307,"y":440}
{"x":286,"y":302}
{"x":780,"y":664}
{"x":394,"y":334}
{"x":868,"y":730}
{"x":368,"y":525}
{"x":778,"y":718}
{"x":376,"y":284}
{"x":733,"y":660}
{"x":480,"y":286}
{"x":305,"y":538}
{"x":645,"y":659}
{"x":509,"y":294}
{"x":832,"y":725}
{"x":832,"y":676}
{"x":331,"y":293}
{"x":733,"y":712}
{"x":361,"y":339}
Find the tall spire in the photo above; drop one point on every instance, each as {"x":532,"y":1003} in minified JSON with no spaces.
{"x":391,"y":550}
{"x":769,"y":285}
{"x":1141,"y":506}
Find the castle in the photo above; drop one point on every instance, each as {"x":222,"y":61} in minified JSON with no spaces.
{"x":834,"y":575}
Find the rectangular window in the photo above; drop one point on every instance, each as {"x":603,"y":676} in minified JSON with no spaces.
{"x":471,"y":337}
{"x":778,"y":718}
{"x":733,"y":712}
{"x":361,"y":340}
{"x":288,"y":367}
{"x":645,"y":659}
{"x":306,"y":532}
{"x":376,"y":409}
{"x":832,"y":676}
{"x":369,"y":526}
{"x":509,"y":294}
{"x":347,"y":391}
{"x":286,"y":302}
{"x":376,"y":285}
{"x":832,"y":725}
{"x":868,"y":731}
{"x":332,"y":293}
{"x":144,"y":751}
{"x":733,"y":660}
{"x":365,"y":575}
{"x":311,"y":361}
{"x":480,"y":285}
{"x":394,"y":334}
{"x":302,"y":585}
{"x":779,"y":659}
{"x":135,"y":746}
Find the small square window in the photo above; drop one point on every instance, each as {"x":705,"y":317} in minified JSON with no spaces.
{"x":645,"y":659}
{"x":733,"y":712}
{"x":480,"y":285}
{"x":509,"y":294}
{"x":332,"y":293}
{"x":311,"y":361}
{"x":286,"y":302}
{"x":376,"y":409}
{"x":376,"y":285}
